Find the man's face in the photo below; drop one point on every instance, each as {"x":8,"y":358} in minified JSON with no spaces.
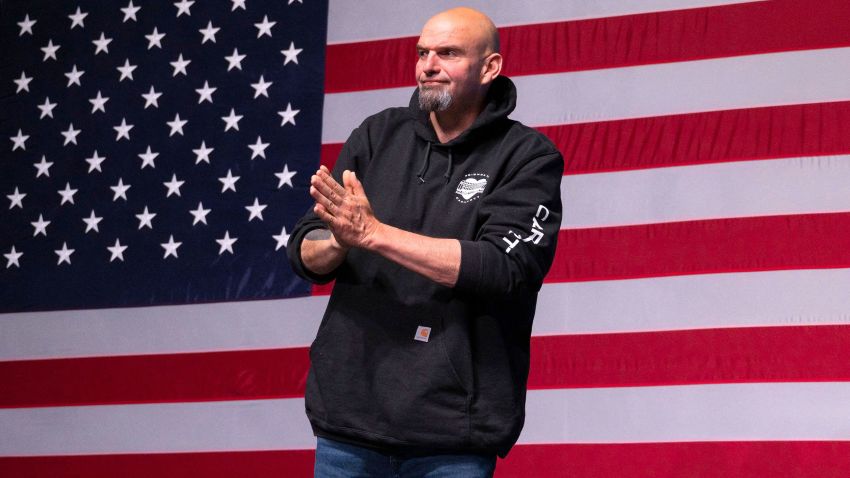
{"x":448,"y":71}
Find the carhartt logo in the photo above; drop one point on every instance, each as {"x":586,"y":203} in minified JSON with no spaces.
{"x":422,"y":334}
{"x":470,"y":187}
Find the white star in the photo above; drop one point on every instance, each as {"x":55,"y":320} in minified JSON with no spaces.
{"x":64,"y":254}
{"x":209,"y":33}
{"x":180,"y":65}
{"x":130,"y":12}
{"x":226,"y":243}
{"x":200,"y":214}
{"x":232,"y":120}
{"x":97,"y":103}
{"x":92,"y":222}
{"x":173,"y":186}
{"x":23,"y":82}
{"x":43,"y":167}
{"x":237,"y":4}
{"x":46,"y":108}
{"x":117,"y":250}
{"x":123,"y":130}
{"x":291,"y":1}
{"x":70,"y":135}
{"x":120,"y":190}
{"x":183,"y":7}
{"x":77,"y":18}
{"x":202,"y":153}
{"x":282,"y":238}
{"x":176,"y":125}
{"x":285,"y":176}
{"x":256,"y":210}
{"x":26,"y":25}
{"x":145,"y":219}
{"x":19,"y":140}
{"x":258,"y":149}
{"x":261,"y":87}
{"x":170,"y":247}
{"x":94,"y":161}
{"x":17,"y":199}
{"x":205,"y":93}
{"x":288,"y":115}
{"x":291,"y":54}
{"x":155,"y":39}
{"x":102,"y":44}
{"x":151,"y":98}
{"x":265,"y":28}
{"x":126,"y":70}
{"x":228,"y":182}
{"x":147,"y":158}
{"x":67,"y":194}
{"x":13,"y":255}
{"x":50,"y":50}
{"x":74,"y":76}
{"x":234,"y":60}
{"x":40,"y":226}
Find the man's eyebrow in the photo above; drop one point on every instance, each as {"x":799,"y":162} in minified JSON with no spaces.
{"x":440,"y":47}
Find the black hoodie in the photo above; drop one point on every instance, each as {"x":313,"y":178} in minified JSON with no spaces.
{"x":401,"y":363}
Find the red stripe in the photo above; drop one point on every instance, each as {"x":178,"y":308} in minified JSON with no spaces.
{"x":758,"y":354}
{"x":811,"y":353}
{"x":805,"y":459}
{"x":805,"y":241}
{"x":700,"y":138}
{"x":697,"y":138}
{"x":658,"y":37}
{"x":278,"y":464}
{"x":248,"y":374}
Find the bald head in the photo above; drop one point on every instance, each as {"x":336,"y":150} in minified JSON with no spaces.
{"x":469,"y":23}
{"x":458,"y":60}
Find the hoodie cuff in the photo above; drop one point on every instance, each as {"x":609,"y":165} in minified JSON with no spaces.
{"x":298,"y":264}
{"x":470,"y":267}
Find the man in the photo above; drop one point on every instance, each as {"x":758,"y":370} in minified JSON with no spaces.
{"x":438,"y":224}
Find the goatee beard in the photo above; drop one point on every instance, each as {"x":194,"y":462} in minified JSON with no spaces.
{"x":434,"y":99}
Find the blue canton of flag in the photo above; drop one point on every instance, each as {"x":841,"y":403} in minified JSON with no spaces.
{"x":155,"y":153}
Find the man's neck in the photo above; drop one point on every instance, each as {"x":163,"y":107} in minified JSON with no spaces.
{"x":450,"y":124}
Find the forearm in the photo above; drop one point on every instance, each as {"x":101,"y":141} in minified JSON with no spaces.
{"x":436,"y":259}
{"x":321,"y":253}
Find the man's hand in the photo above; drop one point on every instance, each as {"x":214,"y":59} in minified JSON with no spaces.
{"x":345,"y":210}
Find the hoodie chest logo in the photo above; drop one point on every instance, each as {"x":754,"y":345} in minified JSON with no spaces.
{"x":471,"y":187}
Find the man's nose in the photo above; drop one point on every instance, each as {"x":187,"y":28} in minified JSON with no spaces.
{"x":431,"y":64}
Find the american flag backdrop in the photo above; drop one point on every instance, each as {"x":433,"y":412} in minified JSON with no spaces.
{"x":156,"y":154}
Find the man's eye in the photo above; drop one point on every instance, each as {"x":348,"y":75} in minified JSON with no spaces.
{"x":422,"y":53}
{"x":448,"y":53}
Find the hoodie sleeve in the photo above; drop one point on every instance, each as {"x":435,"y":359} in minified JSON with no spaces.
{"x":516,"y":242}
{"x":352,"y":157}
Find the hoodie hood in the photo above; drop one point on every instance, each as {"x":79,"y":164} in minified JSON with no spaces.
{"x":499,"y":103}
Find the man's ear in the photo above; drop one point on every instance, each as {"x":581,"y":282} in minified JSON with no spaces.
{"x":491,"y":68}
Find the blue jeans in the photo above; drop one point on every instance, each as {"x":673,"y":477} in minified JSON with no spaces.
{"x":341,"y":460}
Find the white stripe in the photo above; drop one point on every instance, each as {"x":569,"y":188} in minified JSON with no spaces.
{"x":772,"y":411}
{"x":708,"y":191}
{"x":166,"y":329}
{"x":378,"y":19}
{"x":639,"y":91}
{"x":154,"y":428}
{"x":727,"y":412}
{"x":773,"y":298}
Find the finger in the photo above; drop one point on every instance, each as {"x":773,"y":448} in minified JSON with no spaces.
{"x":346,"y":181}
{"x":325,"y":190}
{"x":356,"y":185}
{"x":322,"y":200}
{"x":335,"y":188}
{"x":324,"y":215}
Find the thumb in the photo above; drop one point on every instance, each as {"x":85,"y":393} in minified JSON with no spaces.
{"x":356,"y":185}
